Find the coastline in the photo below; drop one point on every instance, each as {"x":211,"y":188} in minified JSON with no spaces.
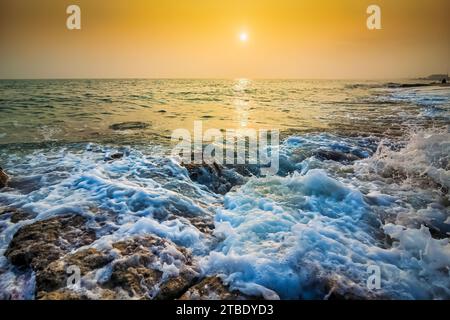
{"x":140,"y":225}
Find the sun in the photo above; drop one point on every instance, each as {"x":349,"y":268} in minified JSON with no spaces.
{"x":243,"y":37}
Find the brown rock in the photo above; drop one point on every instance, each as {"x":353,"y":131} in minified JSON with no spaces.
{"x":3,"y":178}
{"x":212,"y":288}
{"x":55,"y":275}
{"x":135,"y":268}
{"x":64,"y":294}
{"x":173,"y":287}
{"x":40,"y":243}
{"x":134,"y":271}
{"x":135,"y":279}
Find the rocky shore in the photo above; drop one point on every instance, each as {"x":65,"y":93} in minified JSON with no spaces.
{"x":138,"y":267}
{"x":132,"y":268}
{"x":163,"y":230}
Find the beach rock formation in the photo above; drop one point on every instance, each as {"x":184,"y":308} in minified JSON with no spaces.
{"x":51,"y":282}
{"x":144,"y":267}
{"x":40,"y":243}
{"x":134,"y":272}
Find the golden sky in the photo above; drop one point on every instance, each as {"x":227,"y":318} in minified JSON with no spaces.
{"x":200,"y":39}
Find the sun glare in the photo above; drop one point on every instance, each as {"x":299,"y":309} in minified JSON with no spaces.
{"x":243,"y":37}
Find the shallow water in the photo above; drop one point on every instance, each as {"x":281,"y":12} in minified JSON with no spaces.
{"x":84,"y":110}
{"x":381,"y":198}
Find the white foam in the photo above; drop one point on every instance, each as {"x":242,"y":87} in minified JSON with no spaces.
{"x":297,"y":235}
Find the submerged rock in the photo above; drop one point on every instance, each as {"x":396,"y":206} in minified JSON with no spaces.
{"x":3,"y":178}
{"x":135,"y":125}
{"x":40,"y":243}
{"x":212,"y":288}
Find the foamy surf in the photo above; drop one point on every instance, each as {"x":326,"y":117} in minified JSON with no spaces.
{"x":339,"y":206}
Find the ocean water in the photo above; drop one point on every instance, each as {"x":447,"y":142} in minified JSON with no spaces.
{"x":363,"y":180}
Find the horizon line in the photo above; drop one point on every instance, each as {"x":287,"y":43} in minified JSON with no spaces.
{"x":226,"y":78}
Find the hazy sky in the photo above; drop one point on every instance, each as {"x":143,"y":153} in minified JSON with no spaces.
{"x":200,"y":39}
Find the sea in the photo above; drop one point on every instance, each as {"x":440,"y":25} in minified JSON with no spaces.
{"x":362,"y":188}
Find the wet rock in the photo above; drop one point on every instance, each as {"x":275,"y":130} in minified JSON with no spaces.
{"x":63,"y":294}
{"x":335,"y":156}
{"x":408,"y":85}
{"x":55,"y":276}
{"x":139,"y":270}
{"x":246,"y":170}
{"x":40,"y":243}
{"x":136,"y":280}
{"x":117,"y":155}
{"x":203,"y":224}
{"x":16,"y":215}
{"x":129,"y":126}
{"x":3,"y":178}
{"x":437,"y":233}
{"x":214,"y":176}
{"x":174,"y":287}
{"x":212,"y":288}
{"x":344,"y":289}
{"x":143,"y":267}
{"x":114,"y":156}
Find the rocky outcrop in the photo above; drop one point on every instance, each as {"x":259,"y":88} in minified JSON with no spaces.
{"x":51,"y":282}
{"x":40,"y":243}
{"x":212,"y":288}
{"x":141,"y":270}
{"x":3,"y":178}
{"x":146,"y":267}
